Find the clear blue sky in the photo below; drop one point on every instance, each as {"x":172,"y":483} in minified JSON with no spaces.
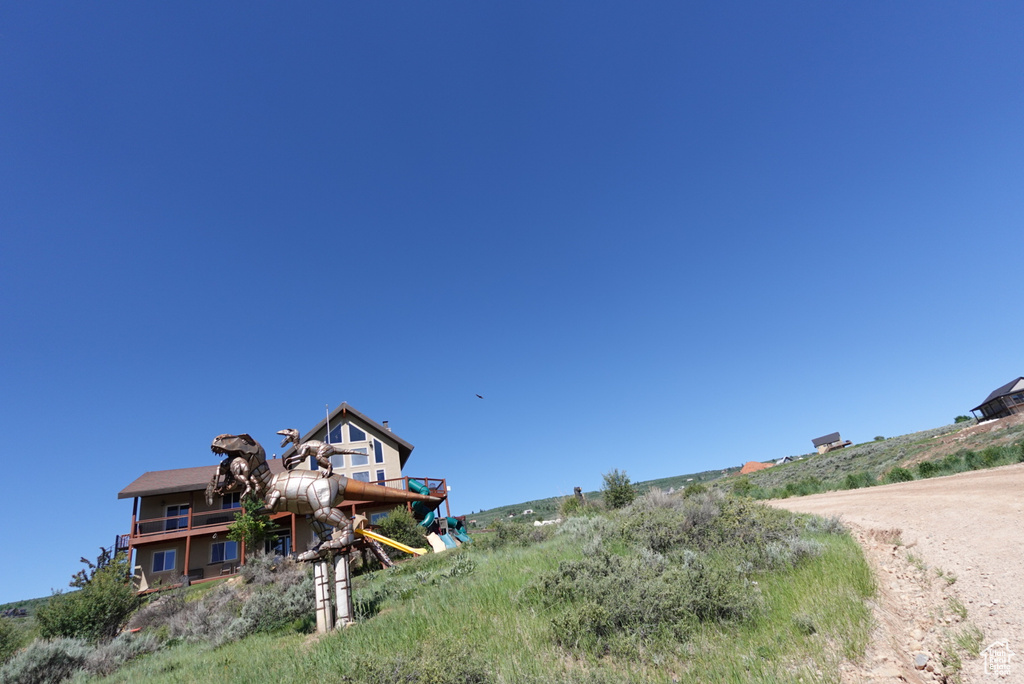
{"x":657,"y":236}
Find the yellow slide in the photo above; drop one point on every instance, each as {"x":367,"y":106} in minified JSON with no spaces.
{"x":390,"y":542}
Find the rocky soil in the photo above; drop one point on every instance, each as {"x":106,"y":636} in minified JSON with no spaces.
{"x":949,"y":557}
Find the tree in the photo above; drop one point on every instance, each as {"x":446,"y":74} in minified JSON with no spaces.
{"x":251,"y":524}
{"x":85,"y":575}
{"x":962,"y":419}
{"x":618,"y":490}
{"x":95,"y":612}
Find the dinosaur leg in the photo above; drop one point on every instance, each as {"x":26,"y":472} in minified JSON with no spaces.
{"x":324,"y":519}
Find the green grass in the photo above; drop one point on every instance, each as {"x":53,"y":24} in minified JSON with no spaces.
{"x":484,"y":626}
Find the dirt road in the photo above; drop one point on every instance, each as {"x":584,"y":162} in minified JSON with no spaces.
{"x":968,"y":526}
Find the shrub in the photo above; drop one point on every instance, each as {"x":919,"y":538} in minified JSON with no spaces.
{"x":402,"y":527}
{"x":618,"y":490}
{"x":879,"y":438}
{"x":928,"y":469}
{"x":962,"y":419}
{"x":694,"y":489}
{"x":46,"y":662}
{"x":817,"y":524}
{"x":858,"y":480}
{"x":898,"y":474}
{"x":272,"y":608}
{"x":262,"y":569}
{"x":96,"y":611}
{"x":743,"y":487}
{"x":10,"y":640}
{"x":110,"y":656}
{"x":434,"y":662}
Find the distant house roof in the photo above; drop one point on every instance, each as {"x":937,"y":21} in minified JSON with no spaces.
{"x":179,"y":480}
{"x":827,"y":439}
{"x":404,"y":448}
{"x":753,"y":467}
{"x":1015,"y":385}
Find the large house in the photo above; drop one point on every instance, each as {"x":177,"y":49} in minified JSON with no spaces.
{"x":174,"y":532}
{"x":829,"y":443}
{"x":1003,"y":401}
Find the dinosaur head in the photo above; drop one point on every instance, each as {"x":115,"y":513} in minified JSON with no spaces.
{"x":290,"y":435}
{"x":235,"y":445}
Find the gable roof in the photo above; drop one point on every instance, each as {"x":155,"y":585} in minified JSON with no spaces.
{"x":1015,"y":385}
{"x":404,"y":448}
{"x":180,"y":480}
{"x":827,"y":439}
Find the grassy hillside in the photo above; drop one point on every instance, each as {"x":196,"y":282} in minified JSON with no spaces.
{"x":939,"y":451}
{"x":547,"y":509}
{"x":702,"y":589}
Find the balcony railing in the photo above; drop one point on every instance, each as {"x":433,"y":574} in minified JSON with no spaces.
{"x":200,"y":520}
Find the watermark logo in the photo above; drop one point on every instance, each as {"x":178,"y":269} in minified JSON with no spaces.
{"x":997,"y":658}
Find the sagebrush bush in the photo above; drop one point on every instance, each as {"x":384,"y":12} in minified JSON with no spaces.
{"x":817,"y":524}
{"x":46,"y":662}
{"x":274,"y":606}
{"x":262,"y":569}
{"x":436,"y":662}
{"x":96,"y":611}
{"x":106,"y":658}
{"x":207,"y":618}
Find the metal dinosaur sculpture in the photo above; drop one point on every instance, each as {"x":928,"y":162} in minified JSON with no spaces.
{"x":321,"y":451}
{"x":304,"y":492}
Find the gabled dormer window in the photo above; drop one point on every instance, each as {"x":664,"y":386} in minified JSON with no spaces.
{"x":355,"y":434}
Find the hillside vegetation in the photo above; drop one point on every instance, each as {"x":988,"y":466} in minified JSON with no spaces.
{"x":941,"y":451}
{"x":671,"y":588}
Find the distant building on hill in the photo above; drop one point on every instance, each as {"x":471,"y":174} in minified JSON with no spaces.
{"x":829,"y":443}
{"x":753,"y":467}
{"x":1002,"y":402}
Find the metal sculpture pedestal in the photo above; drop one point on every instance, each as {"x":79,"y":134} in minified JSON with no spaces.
{"x":327,"y":616}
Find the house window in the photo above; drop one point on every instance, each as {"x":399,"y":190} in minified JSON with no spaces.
{"x":224,"y":551}
{"x":375,"y":518}
{"x":177,"y":523}
{"x":378,"y":451}
{"x":334,"y":437}
{"x":280,"y":545}
{"x":337,"y":460}
{"x":231,"y":500}
{"x":361,"y":458}
{"x":380,"y":476}
{"x":163,"y":561}
{"x":362,"y":476}
{"x":355,"y":434}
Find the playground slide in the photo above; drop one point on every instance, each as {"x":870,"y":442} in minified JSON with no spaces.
{"x":448,"y":541}
{"x":436,"y":543}
{"x":390,"y":542}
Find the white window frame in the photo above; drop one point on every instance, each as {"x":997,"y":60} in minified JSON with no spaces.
{"x":366,"y":438}
{"x":352,"y":457}
{"x":361,"y":472}
{"x":173,"y":567}
{"x":381,"y":475}
{"x":181,"y":524}
{"x":231,"y":497}
{"x":225,"y":558}
{"x":375,"y":443}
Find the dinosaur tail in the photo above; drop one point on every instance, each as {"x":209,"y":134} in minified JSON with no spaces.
{"x":365,"y":491}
